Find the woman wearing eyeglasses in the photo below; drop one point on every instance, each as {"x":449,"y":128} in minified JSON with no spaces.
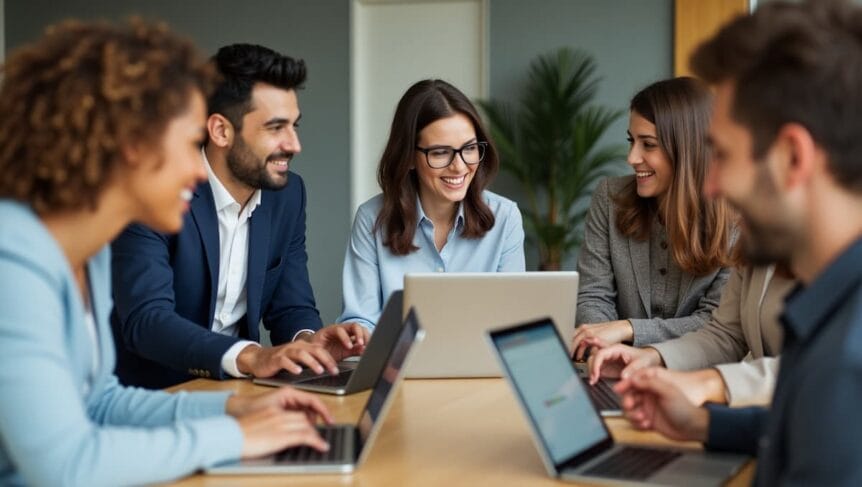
{"x":434,"y":214}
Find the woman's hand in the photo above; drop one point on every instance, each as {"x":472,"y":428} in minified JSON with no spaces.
{"x":600,"y":335}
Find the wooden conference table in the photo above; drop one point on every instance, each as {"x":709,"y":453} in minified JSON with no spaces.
{"x":438,"y":432}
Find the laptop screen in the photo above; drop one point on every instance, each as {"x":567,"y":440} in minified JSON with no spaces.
{"x":386,"y":380}
{"x":557,"y":402}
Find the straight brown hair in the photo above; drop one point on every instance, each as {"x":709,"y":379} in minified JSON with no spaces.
{"x":424,"y":103}
{"x":699,"y":230}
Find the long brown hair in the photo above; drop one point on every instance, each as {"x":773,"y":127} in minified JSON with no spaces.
{"x":424,"y":103}
{"x":699,"y":230}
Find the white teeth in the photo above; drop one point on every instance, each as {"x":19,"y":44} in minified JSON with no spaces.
{"x":279,"y":163}
{"x":642,"y":174}
{"x":186,"y":194}
{"x":457,"y":180}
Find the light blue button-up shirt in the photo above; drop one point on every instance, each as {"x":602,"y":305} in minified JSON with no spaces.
{"x":372,"y":272}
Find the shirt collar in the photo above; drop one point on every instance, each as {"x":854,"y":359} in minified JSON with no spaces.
{"x":420,"y":214}
{"x":806,"y":308}
{"x":221,"y":196}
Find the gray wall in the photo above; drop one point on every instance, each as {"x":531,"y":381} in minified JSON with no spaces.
{"x":316,"y":30}
{"x":632,"y":43}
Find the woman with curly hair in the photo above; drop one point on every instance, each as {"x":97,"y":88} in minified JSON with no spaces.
{"x":100,"y":126}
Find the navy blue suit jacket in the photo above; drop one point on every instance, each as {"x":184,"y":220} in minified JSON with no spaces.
{"x":165,"y":287}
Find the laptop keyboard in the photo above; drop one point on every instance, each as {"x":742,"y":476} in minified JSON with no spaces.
{"x":632,"y":463}
{"x":335,"y":436}
{"x":339,"y":380}
{"x":604,"y":396}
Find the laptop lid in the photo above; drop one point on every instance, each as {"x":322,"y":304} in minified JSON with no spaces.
{"x":458,"y":308}
{"x":381,"y":397}
{"x":564,"y":421}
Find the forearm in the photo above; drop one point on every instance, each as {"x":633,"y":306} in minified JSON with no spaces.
{"x":650,"y":331}
{"x":735,"y":430}
{"x":167,"y":338}
{"x":699,"y":349}
{"x":750,"y":383}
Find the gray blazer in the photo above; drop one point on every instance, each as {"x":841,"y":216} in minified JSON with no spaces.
{"x":615,"y":278}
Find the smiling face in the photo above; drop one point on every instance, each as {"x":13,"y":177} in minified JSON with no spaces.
{"x":261,"y":153}
{"x":163,"y":178}
{"x":441,"y":189}
{"x":653,"y":169}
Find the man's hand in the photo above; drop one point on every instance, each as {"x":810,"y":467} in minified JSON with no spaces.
{"x":268,"y":361}
{"x":651,"y":401}
{"x":342,"y":340}
{"x":600,"y":335}
{"x":700,"y":386}
{"x":620,"y":361}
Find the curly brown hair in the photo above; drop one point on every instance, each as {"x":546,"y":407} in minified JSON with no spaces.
{"x":73,"y":99}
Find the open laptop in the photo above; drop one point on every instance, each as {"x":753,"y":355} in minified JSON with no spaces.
{"x":353,"y":376}
{"x":602,"y":393}
{"x":349,"y":444}
{"x":457,"y":309}
{"x":572,"y":439}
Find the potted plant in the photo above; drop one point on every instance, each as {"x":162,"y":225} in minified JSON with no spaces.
{"x":549,"y":144}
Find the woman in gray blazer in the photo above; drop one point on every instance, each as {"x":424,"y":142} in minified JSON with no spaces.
{"x":655,"y":250}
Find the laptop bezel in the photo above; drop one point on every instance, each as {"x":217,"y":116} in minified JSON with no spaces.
{"x":364,"y":446}
{"x":554,"y":468}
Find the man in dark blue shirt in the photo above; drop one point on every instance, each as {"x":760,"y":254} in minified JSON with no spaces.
{"x":786,"y":137}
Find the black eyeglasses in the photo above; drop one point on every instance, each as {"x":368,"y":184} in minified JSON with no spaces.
{"x":440,"y":157}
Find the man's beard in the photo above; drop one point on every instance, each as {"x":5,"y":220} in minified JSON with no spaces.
{"x":765,"y":245}
{"x":246,"y":168}
{"x":767,"y":239}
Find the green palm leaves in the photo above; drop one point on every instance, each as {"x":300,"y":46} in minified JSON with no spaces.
{"x":549,"y":144}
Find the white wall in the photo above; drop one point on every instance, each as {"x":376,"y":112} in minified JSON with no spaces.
{"x":395,"y":43}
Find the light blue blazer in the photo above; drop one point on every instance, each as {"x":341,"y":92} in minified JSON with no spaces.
{"x":64,"y":422}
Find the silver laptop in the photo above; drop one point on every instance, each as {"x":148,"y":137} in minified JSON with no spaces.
{"x":353,"y":376}
{"x":458,"y":308}
{"x":572,"y":439}
{"x":602,"y":393}
{"x":349,"y":444}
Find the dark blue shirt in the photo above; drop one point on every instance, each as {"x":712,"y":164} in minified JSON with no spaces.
{"x":812,"y":434}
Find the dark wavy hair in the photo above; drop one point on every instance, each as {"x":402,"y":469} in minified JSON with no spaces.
{"x":699,"y":230}
{"x":424,"y":103}
{"x":70,"y":101}
{"x":243,"y":65}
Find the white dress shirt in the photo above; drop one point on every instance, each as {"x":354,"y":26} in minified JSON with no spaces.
{"x":231,"y":302}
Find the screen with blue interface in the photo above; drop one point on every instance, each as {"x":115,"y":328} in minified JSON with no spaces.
{"x":553,"y":394}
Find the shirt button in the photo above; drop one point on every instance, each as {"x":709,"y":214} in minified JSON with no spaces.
{"x":662,"y":271}
{"x":664,"y":245}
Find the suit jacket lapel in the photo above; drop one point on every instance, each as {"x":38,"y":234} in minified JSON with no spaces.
{"x":639,"y":250}
{"x":753,"y":331}
{"x":258,"y":250}
{"x":204,"y":216}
